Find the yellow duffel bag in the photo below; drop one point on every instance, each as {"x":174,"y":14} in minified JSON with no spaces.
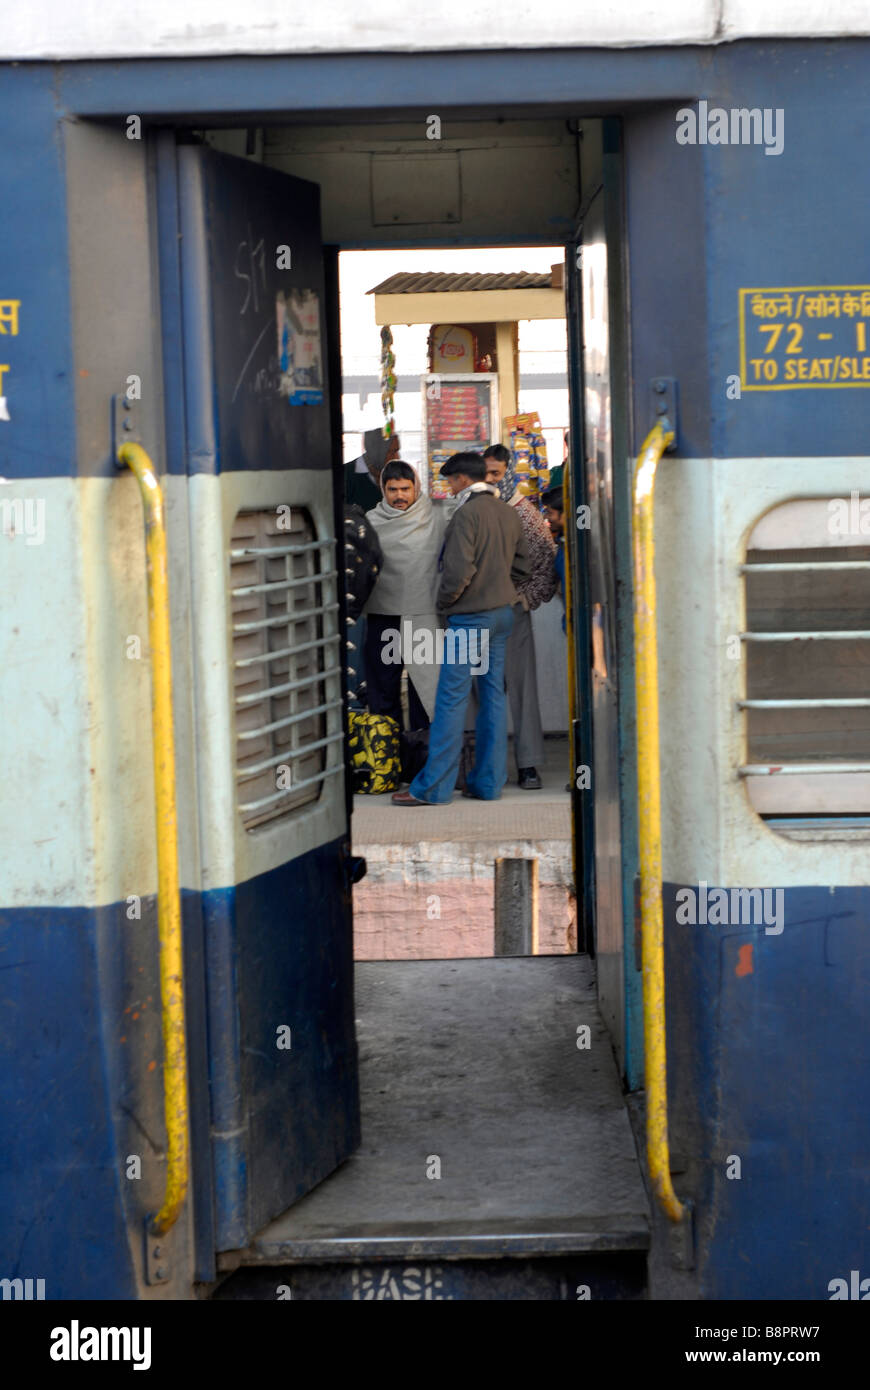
{"x":374,"y":752}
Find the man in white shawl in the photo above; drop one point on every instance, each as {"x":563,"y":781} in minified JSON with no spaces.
{"x":402,"y":622}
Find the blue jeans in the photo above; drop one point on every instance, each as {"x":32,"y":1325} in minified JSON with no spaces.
{"x":436,"y":781}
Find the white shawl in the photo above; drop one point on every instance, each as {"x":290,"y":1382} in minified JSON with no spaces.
{"x":408,"y":582}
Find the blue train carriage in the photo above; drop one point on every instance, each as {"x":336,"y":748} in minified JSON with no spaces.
{"x":256,"y":648}
{"x":173,"y":245}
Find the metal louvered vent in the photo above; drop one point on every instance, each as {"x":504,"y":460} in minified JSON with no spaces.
{"x":286,"y":662}
{"x":807,"y":649}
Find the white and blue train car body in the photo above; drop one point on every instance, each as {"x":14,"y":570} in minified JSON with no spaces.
{"x":149,"y":176}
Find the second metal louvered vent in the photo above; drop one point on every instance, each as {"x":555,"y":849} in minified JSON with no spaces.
{"x":286,"y":662}
{"x":807,"y":649}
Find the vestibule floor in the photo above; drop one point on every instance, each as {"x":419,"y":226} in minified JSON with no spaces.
{"x":486,"y":1130}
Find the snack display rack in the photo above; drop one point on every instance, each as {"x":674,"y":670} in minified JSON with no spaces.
{"x":460,"y":412}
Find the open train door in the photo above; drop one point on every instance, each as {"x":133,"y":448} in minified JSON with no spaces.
{"x":600,"y":544}
{"x":244,"y":325}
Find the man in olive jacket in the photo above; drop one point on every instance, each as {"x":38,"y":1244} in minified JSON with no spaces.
{"x":484,"y":557}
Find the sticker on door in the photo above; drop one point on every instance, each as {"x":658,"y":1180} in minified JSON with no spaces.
{"x":298,"y":322}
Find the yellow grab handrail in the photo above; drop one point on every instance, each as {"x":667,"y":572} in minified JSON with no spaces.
{"x":650,"y":820}
{"x":168,"y":895}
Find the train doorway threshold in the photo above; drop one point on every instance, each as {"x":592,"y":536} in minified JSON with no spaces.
{"x":497,"y":1157}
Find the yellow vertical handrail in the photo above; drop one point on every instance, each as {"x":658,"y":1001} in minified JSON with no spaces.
{"x":168,"y":893}
{"x":650,"y":820}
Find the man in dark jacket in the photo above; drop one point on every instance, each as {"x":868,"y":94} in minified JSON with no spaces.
{"x":484,"y":557}
{"x":363,"y":561}
{"x":362,"y":476}
{"x":554,"y":515}
{"x":520,"y":661}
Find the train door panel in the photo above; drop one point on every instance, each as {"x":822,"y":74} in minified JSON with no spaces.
{"x":267,"y":686}
{"x":602,"y":615}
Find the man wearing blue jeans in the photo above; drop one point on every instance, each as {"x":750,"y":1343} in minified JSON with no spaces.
{"x":484,"y":556}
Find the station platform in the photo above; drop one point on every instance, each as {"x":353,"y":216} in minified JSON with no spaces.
{"x":488,"y":1138}
{"x":429,"y":888}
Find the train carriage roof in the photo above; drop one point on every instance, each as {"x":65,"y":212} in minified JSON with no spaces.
{"x":84,"y":29}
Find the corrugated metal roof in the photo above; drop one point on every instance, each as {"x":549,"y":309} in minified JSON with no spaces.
{"x":430,"y":283}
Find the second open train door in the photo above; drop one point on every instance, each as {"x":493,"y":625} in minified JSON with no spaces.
{"x":598,"y":535}
{"x":248,"y":414}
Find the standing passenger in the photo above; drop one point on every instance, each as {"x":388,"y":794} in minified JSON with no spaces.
{"x":362,"y":565}
{"x":520,"y":670}
{"x":362,"y":476}
{"x":401,"y":617}
{"x":362,"y":488}
{"x":484,"y":558}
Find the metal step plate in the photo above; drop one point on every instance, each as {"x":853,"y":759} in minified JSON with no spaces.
{"x":611,"y":1277}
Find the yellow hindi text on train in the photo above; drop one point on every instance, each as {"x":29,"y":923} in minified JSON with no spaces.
{"x":9,"y":316}
{"x":804,"y":336}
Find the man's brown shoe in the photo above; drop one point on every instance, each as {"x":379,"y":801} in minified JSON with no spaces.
{"x":406,"y":799}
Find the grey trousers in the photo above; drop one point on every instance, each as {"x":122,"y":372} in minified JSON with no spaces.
{"x":521,"y":681}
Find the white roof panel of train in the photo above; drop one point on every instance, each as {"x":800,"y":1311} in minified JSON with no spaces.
{"x":81,"y":29}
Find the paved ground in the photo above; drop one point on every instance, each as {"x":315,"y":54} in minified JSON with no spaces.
{"x":532,"y":815}
{"x":473,"y":1066}
{"x":429,"y":890}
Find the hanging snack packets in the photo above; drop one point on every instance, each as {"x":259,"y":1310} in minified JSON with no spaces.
{"x":529,"y":450}
{"x":388,"y":381}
